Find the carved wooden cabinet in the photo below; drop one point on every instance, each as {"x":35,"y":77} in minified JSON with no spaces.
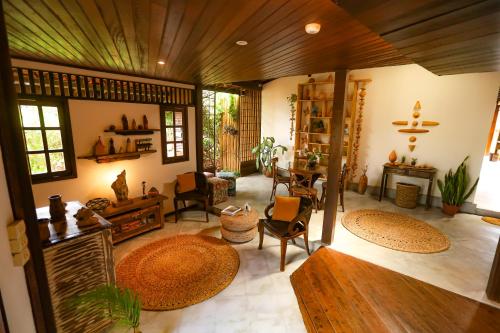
{"x":77,"y":260}
{"x":142,"y":215}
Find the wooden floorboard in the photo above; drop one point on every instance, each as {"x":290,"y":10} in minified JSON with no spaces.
{"x":339,"y":293}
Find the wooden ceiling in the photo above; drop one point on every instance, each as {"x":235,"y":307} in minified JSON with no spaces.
{"x":195,"y":38}
{"x":446,"y":37}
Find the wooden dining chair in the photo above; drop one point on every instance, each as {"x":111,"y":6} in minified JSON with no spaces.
{"x":286,"y":231}
{"x":343,"y":176}
{"x":302,"y":185}
{"x":280,"y":176}
{"x":199,"y":193}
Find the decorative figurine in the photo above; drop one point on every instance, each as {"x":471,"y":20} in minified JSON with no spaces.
{"x":363,"y":181}
{"x":145,"y":122}
{"x":153,"y":192}
{"x":144,"y":196}
{"x":134,"y":124}
{"x":121,"y":189}
{"x":129,"y":148}
{"x":99,"y":148}
{"x":125,"y":122}
{"x":393,"y":157}
{"x":112,"y":149}
{"x":85,"y":217}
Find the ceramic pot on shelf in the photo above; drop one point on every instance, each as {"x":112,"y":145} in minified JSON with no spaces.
{"x":393,"y":157}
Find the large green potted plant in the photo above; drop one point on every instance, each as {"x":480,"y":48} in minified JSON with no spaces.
{"x":264,"y":154}
{"x":121,"y":305}
{"x":453,"y":189}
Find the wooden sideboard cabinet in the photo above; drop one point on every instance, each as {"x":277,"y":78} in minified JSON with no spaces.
{"x":142,"y":215}
{"x":77,"y":260}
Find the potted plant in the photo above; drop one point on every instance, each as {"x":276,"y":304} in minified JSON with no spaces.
{"x":265,"y":152}
{"x":313,"y":158}
{"x":122,"y":306}
{"x":453,"y":189}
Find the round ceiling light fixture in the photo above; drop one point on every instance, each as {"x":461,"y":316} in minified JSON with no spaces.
{"x":313,"y":28}
{"x":242,"y":43}
{"x":161,"y":62}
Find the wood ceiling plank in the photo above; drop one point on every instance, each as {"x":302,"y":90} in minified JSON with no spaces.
{"x":158,"y":18}
{"x":125,"y":12}
{"x":142,"y":23}
{"x":26,"y":49}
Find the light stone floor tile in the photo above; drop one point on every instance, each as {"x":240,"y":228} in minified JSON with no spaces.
{"x":261,"y":298}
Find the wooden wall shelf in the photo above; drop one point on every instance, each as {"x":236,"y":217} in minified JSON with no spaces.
{"x":117,"y":157}
{"x":133,"y":132}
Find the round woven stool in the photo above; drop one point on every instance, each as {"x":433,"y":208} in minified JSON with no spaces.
{"x":241,"y":227}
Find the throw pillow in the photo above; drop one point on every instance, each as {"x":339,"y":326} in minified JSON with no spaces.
{"x":286,"y":208}
{"x":187,"y":182}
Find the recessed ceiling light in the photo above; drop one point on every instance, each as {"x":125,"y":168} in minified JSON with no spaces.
{"x":161,"y":62}
{"x":313,"y":28}
{"x":242,"y":43}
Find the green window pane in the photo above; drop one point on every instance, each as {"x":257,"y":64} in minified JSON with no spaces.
{"x":38,"y":164}
{"x":178,"y":134}
{"x":50,"y":116}
{"x":170,"y":134}
{"x":29,"y":115}
{"x":169,"y":118}
{"x":54,"y":139}
{"x":170,"y":150}
{"x":179,"y":149}
{"x":57,"y":162}
{"x":178,"y":119}
{"x":34,"y":140}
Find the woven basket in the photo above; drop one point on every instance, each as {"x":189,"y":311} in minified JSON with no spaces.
{"x":238,"y":236}
{"x":407,"y":195}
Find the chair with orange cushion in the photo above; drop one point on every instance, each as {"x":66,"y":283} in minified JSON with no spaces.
{"x":288,"y":220}
{"x":191,"y":186}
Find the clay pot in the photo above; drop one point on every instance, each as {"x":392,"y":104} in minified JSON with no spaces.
{"x":393,"y":157}
{"x":268,"y":173}
{"x":362,"y":184}
{"x":43,"y":228}
{"x":450,"y":210}
{"x":57,"y":208}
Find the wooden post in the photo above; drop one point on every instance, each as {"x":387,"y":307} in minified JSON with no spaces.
{"x":19,"y":184}
{"x":199,"y":127}
{"x":493,"y":288}
{"x":335,"y":157}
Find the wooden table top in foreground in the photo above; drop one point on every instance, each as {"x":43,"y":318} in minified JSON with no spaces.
{"x":339,"y":293}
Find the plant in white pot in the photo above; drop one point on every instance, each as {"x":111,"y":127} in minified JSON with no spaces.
{"x":264,"y":154}
{"x":454,"y":189}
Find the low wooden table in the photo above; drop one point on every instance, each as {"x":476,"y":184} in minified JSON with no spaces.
{"x":240,"y":228}
{"x":409,"y":171}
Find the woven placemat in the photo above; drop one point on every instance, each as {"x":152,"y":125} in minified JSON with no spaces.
{"x":178,"y":271}
{"x":395,"y":231}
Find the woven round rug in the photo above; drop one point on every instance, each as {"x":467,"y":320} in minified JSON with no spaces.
{"x":179,"y":271}
{"x":395,"y":231}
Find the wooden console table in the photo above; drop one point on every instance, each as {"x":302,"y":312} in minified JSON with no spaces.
{"x":409,"y":171}
{"x":142,"y":215}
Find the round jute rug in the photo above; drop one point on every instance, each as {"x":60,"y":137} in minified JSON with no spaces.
{"x":395,"y":231}
{"x":178,"y":271}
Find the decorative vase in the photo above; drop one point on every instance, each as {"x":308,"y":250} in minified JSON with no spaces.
{"x":57,"y":208}
{"x":450,"y":210}
{"x":268,"y":173}
{"x":363,"y":183}
{"x":112,"y":149}
{"x":393,"y":157}
{"x":43,"y":228}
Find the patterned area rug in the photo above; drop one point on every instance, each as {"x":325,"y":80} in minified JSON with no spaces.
{"x":178,"y":271}
{"x":492,"y":220}
{"x":395,"y":231}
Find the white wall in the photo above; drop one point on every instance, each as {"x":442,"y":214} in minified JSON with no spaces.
{"x":463,"y":104}
{"x":12,"y":281}
{"x":89,"y":119}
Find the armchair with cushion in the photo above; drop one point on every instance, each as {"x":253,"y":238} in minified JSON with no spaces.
{"x":287,"y":230}
{"x":191,"y":186}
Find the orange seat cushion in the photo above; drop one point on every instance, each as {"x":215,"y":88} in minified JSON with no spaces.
{"x":187,"y":182}
{"x":286,"y":208}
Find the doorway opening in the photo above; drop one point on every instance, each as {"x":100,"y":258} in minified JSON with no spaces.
{"x":488,"y":189}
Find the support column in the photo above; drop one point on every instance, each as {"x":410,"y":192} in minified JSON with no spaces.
{"x":19,"y":184}
{"x":335,"y":157}
{"x":199,"y":127}
{"x":493,"y":288}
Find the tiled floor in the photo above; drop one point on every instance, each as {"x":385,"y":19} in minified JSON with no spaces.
{"x":261,"y":299}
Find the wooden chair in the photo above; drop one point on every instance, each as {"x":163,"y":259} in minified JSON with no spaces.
{"x":286,"y":231}
{"x":280,"y":176}
{"x":302,"y":185}
{"x":200,"y":194}
{"x":343,"y":176}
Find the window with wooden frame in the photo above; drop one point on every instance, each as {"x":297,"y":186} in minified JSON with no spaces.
{"x":174,"y":134}
{"x":47,"y":135}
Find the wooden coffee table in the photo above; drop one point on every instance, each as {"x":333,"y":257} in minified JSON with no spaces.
{"x":240,"y":228}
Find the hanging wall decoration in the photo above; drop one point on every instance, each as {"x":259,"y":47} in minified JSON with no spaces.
{"x":414,"y":125}
{"x":357,"y":132}
{"x":291,"y":101}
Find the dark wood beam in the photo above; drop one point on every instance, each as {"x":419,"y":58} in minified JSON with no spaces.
{"x":493,"y":288}
{"x":19,"y":184}
{"x":335,"y":157}
{"x":199,"y":127}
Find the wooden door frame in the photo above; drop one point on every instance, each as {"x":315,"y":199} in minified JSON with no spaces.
{"x":492,"y":127}
{"x":20,"y":190}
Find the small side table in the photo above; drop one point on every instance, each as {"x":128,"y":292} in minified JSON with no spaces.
{"x":240,"y":228}
{"x":409,"y":171}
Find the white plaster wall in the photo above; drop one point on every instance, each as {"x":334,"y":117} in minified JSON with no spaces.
{"x":89,"y":119}
{"x":463,"y":104}
{"x":12,"y":281}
